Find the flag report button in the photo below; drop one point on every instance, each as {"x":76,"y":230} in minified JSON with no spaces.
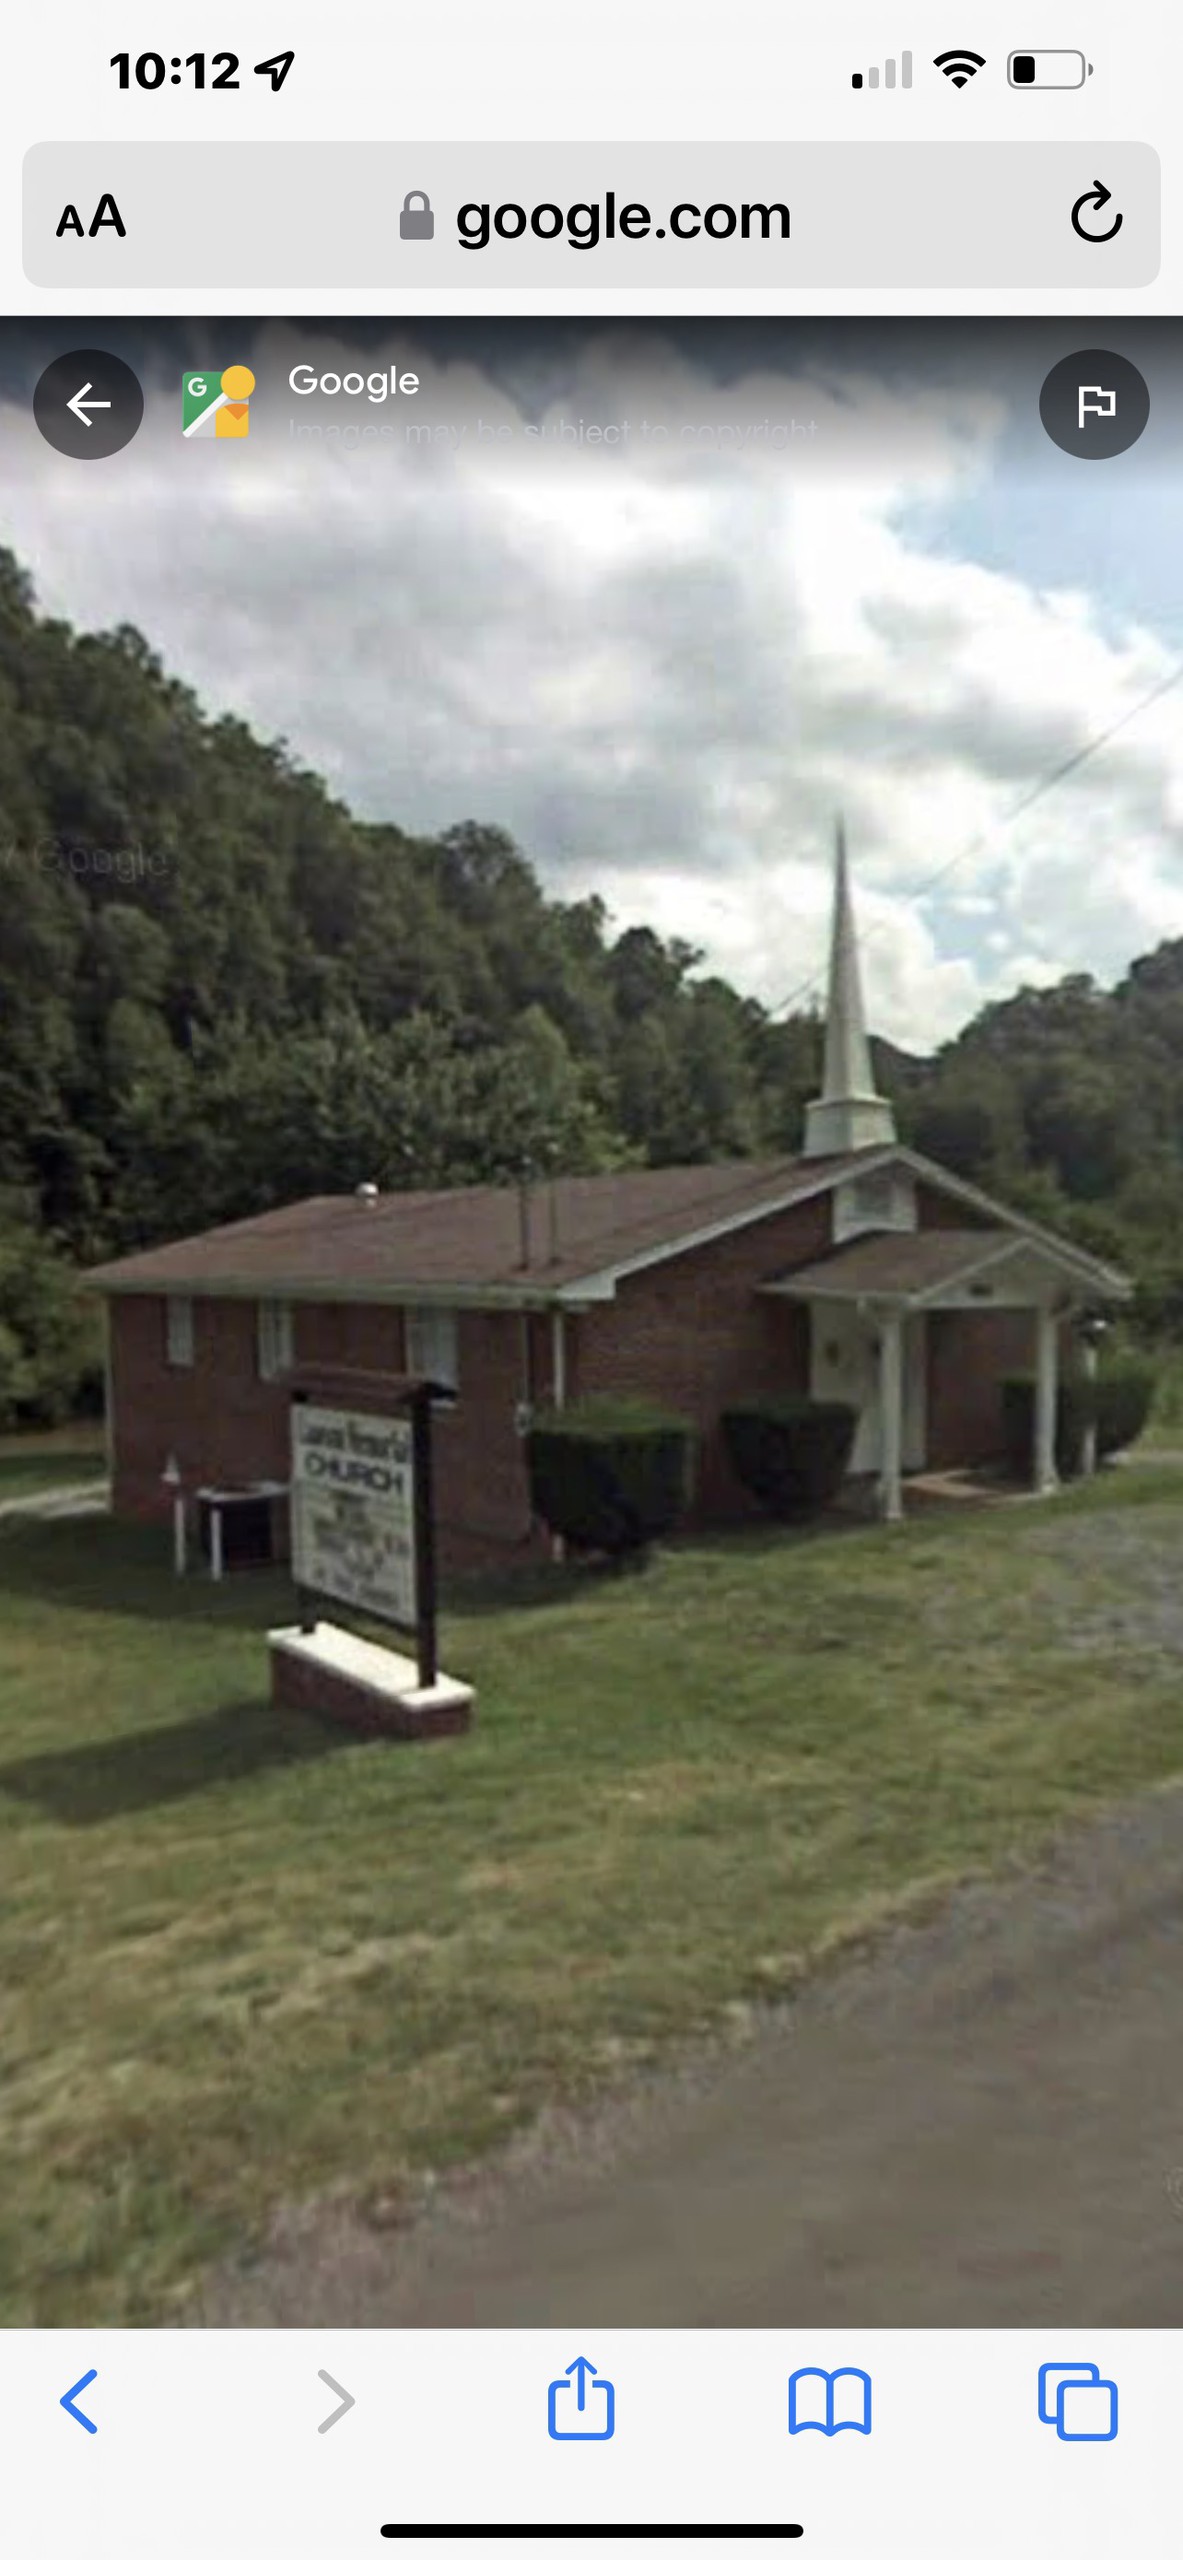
{"x":88,"y":405}
{"x":1094,"y":404}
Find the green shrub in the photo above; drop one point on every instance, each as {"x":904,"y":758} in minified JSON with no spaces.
{"x":791,"y":1452}
{"x":1125,"y":1393}
{"x":1074,"y":1406}
{"x":16,"y":1375}
{"x":1117,"y":1400}
{"x":610,"y":1474}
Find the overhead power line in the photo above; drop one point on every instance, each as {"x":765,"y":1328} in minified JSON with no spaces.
{"x":1039,"y":791}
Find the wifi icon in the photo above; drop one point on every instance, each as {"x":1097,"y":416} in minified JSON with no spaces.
{"x":959,"y":65}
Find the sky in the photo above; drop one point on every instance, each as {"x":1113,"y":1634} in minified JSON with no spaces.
{"x":825,"y":570}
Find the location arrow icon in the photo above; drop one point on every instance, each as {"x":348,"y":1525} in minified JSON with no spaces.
{"x":69,"y":2397}
{"x":345,"y":2397}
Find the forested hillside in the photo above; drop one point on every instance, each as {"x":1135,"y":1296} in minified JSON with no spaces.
{"x":219,"y":990}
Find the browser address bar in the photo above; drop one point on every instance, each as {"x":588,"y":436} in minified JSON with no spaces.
{"x":1078,"y":214}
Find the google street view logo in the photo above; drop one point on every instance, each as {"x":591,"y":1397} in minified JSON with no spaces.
{"x":217,"y":404}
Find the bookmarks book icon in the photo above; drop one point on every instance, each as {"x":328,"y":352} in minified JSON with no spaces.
{"x":217,"y":404}
{"x":831,"y":2403}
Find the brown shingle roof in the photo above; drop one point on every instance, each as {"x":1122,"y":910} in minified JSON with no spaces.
{"x":904,"y":1265}
{"x":468,"y":1241}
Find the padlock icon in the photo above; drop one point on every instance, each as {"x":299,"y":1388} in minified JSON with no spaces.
{"x":416,"y":221}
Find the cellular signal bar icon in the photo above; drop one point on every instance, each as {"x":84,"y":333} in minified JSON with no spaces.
{"x":872,"y":78}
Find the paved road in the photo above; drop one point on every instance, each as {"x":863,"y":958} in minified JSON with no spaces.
{"x":981,"y":2122}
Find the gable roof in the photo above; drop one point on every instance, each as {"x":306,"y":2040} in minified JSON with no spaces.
{"x":586,"y":1232}
{"x":581,"y":1228}
{"x":913,"y":1267}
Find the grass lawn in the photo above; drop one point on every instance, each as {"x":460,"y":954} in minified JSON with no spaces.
{"x":40,"y":1461}
{"x":245,"y":1961}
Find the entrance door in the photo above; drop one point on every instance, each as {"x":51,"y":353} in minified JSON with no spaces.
{"x":844,"y":1364}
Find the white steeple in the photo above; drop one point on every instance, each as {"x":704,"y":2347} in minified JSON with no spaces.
{"x":850,"y":1113}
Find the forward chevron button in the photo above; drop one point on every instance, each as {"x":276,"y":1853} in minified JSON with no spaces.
{"x":347,"y":2403}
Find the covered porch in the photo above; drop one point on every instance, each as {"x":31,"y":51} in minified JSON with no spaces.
{"x":871,"y":1303}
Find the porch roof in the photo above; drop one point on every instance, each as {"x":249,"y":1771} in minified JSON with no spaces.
{"x":919,"y":1267}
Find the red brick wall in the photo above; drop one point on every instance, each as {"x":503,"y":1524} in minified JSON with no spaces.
{"x":312,"y":1688}
{"x":219,"y":1419}
{"x":936,"y":1209}
{"x":482,"y":1501}
{"x":970,"y":1352}
{"x":693,"y":1333}
{"x":349,"y":1337}
{"x":225,"y":1425}
{"x":482,"y":1508}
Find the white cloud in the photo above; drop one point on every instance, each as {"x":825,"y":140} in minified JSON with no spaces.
{"x":663,"y":664}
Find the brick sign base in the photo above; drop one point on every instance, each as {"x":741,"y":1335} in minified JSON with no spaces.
{"x":340,"y":1676}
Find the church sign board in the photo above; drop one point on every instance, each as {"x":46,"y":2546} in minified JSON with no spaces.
{"x":361,"y":1509}
{"x":353,"y":1510}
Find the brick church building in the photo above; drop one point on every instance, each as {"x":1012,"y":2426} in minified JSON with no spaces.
{"x":858,"y":1269}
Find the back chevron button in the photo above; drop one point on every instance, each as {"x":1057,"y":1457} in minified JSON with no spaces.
{"x":69,"y":2398}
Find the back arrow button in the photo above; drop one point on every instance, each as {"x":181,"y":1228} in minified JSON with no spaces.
{"x":69,"y":2398}
{"x":88,"y":404}
{"x":80,"y":404}
{"x":346,"y":2399}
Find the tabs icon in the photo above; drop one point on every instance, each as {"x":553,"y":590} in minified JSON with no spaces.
{"x":1075,"y":2400}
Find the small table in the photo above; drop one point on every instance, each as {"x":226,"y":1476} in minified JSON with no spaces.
{"x":240,"y":1499}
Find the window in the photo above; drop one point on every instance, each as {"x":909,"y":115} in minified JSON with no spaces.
{"x":432,"y":1349}
{"x":274,"y":1337}
{"x":178,"y":1332}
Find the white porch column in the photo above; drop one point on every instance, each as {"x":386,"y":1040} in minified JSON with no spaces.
{"x":1047,"y":1379}
{"x":891,"y":1416}
{"x":1088,"y":1455}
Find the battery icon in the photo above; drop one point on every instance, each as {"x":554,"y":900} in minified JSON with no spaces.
{"x":1048,"y":69}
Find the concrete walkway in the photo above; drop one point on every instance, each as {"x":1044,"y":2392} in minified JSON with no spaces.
{"x":63,"y":1502}
{"x":980,"y":2122}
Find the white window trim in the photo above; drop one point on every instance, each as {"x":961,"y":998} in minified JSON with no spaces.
{"x":274,"y":1349}
{"x":436,"y":1352}
{"x":179,"y":1331}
